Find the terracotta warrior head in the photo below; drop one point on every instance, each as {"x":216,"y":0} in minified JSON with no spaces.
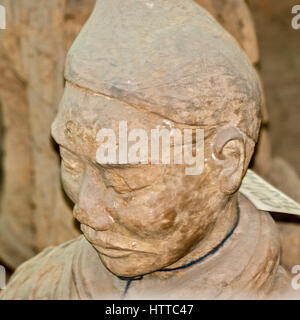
{"x":166,"y":64}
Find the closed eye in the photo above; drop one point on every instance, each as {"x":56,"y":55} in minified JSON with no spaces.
{"x":115,"y":177}
{"x":119,"y":183}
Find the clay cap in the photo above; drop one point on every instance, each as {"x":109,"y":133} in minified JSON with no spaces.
{"x":167,"y":56}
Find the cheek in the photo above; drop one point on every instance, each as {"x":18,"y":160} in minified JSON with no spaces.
{"x":71,"y":182}
{"x":149,"y":215}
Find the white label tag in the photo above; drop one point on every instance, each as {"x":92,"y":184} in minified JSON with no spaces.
{"x":266,"y":197}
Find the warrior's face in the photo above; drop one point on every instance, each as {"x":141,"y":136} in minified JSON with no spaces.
{"x":140,"y":218}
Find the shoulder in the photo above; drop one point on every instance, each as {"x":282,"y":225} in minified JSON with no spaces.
{"x":42,"y":276}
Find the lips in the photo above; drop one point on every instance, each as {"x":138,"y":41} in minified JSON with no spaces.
{"x":113,"y":245}
{"x":100,"y":239}
{"x":101,"y":245}
{"x":113,"y":253}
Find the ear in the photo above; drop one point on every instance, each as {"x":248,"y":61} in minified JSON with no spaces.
{"x":229,"y":156}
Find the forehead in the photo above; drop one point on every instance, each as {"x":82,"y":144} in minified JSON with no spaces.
{"x":82,"y":113}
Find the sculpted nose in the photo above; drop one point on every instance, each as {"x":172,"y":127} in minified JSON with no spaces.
{"x":90,"y":209}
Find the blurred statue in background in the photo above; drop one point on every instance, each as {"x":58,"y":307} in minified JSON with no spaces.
{"x":34,"y":213}
{"x":150,"y":230}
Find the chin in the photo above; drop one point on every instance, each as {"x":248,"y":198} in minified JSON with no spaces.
{"x":133,"y":265}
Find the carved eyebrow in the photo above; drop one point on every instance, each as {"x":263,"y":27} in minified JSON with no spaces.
{"x":59,"y":136}
{"x":58,"y":133}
